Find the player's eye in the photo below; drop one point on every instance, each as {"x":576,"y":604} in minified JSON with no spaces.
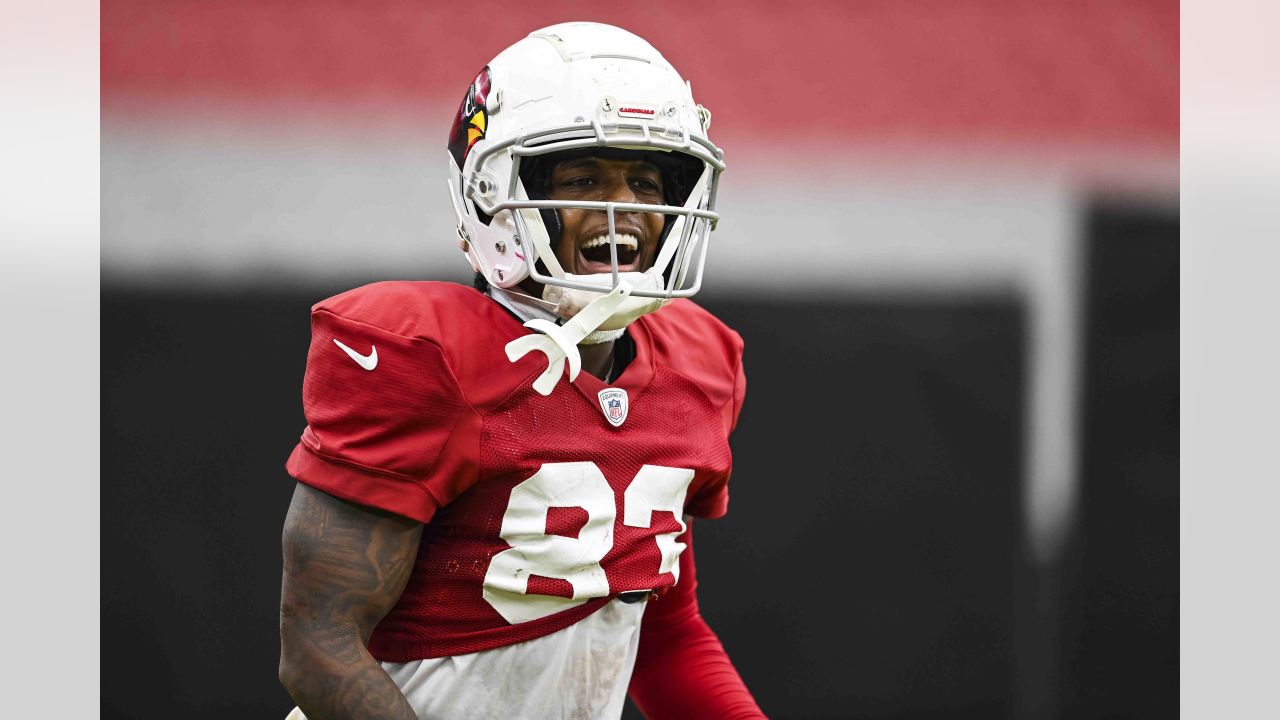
{"x":646,"y":185}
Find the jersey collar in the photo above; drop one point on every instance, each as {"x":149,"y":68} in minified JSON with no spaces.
{"x":637,"y":375}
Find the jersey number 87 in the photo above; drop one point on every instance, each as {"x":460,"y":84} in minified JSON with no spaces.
{"x":576,"y":560}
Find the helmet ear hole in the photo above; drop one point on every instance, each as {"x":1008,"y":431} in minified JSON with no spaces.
{"x":486,"y":188}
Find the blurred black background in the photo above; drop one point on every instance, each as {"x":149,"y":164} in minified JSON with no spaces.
{"x":870,"y":561}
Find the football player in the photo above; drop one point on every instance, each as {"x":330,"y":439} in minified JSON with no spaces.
{"x":496,"y":484}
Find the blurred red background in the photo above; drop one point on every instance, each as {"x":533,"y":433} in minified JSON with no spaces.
{"x":1041,"y":72}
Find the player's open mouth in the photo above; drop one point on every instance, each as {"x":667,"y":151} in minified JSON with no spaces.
{"x":595,"y":254}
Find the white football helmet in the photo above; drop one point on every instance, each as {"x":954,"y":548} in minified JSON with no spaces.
{"x":581,"y":86}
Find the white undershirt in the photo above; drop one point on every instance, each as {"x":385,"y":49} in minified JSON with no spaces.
{"x":578,"y":673}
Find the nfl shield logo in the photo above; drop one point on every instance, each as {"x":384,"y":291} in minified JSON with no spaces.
{"x":613,"y":401}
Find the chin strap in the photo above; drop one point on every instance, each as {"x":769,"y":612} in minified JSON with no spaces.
{"x":600,"y":337}
{"x":560,"y":342}
{"x":525,"y":307}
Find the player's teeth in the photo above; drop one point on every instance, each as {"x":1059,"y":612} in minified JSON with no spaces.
{"x":624,"y":241}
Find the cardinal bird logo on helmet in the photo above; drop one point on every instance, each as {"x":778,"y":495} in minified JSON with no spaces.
{"x":472,"y":118}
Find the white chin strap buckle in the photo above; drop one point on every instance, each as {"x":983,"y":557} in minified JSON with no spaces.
{"x":560,"y":342}
{"x":568,"y":302}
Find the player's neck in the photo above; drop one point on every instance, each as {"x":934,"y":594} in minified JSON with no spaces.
{"x":598,"y":359}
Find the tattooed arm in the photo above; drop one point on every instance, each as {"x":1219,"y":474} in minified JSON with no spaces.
{"x":344,"y":568}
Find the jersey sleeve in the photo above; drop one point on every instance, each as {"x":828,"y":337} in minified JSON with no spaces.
{"x":387,"y":424}
{"x":682,"y":669}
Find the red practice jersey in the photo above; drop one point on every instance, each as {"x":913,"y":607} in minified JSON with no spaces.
{"x":538,"y":510}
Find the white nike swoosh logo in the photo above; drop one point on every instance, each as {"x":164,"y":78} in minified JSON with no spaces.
{"x":368,"y":362}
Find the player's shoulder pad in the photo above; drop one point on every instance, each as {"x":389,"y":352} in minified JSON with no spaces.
{"x":685,"y":325}
{"x":467,"y":328}
{"x":695,"y":343}
{"x":422,"y":309}
{"x":406,"y":308}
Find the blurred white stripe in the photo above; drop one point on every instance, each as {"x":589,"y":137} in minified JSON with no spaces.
{"x":234,"y":204}
{"x":1230,"y":489}
{"x":49,"y":383}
